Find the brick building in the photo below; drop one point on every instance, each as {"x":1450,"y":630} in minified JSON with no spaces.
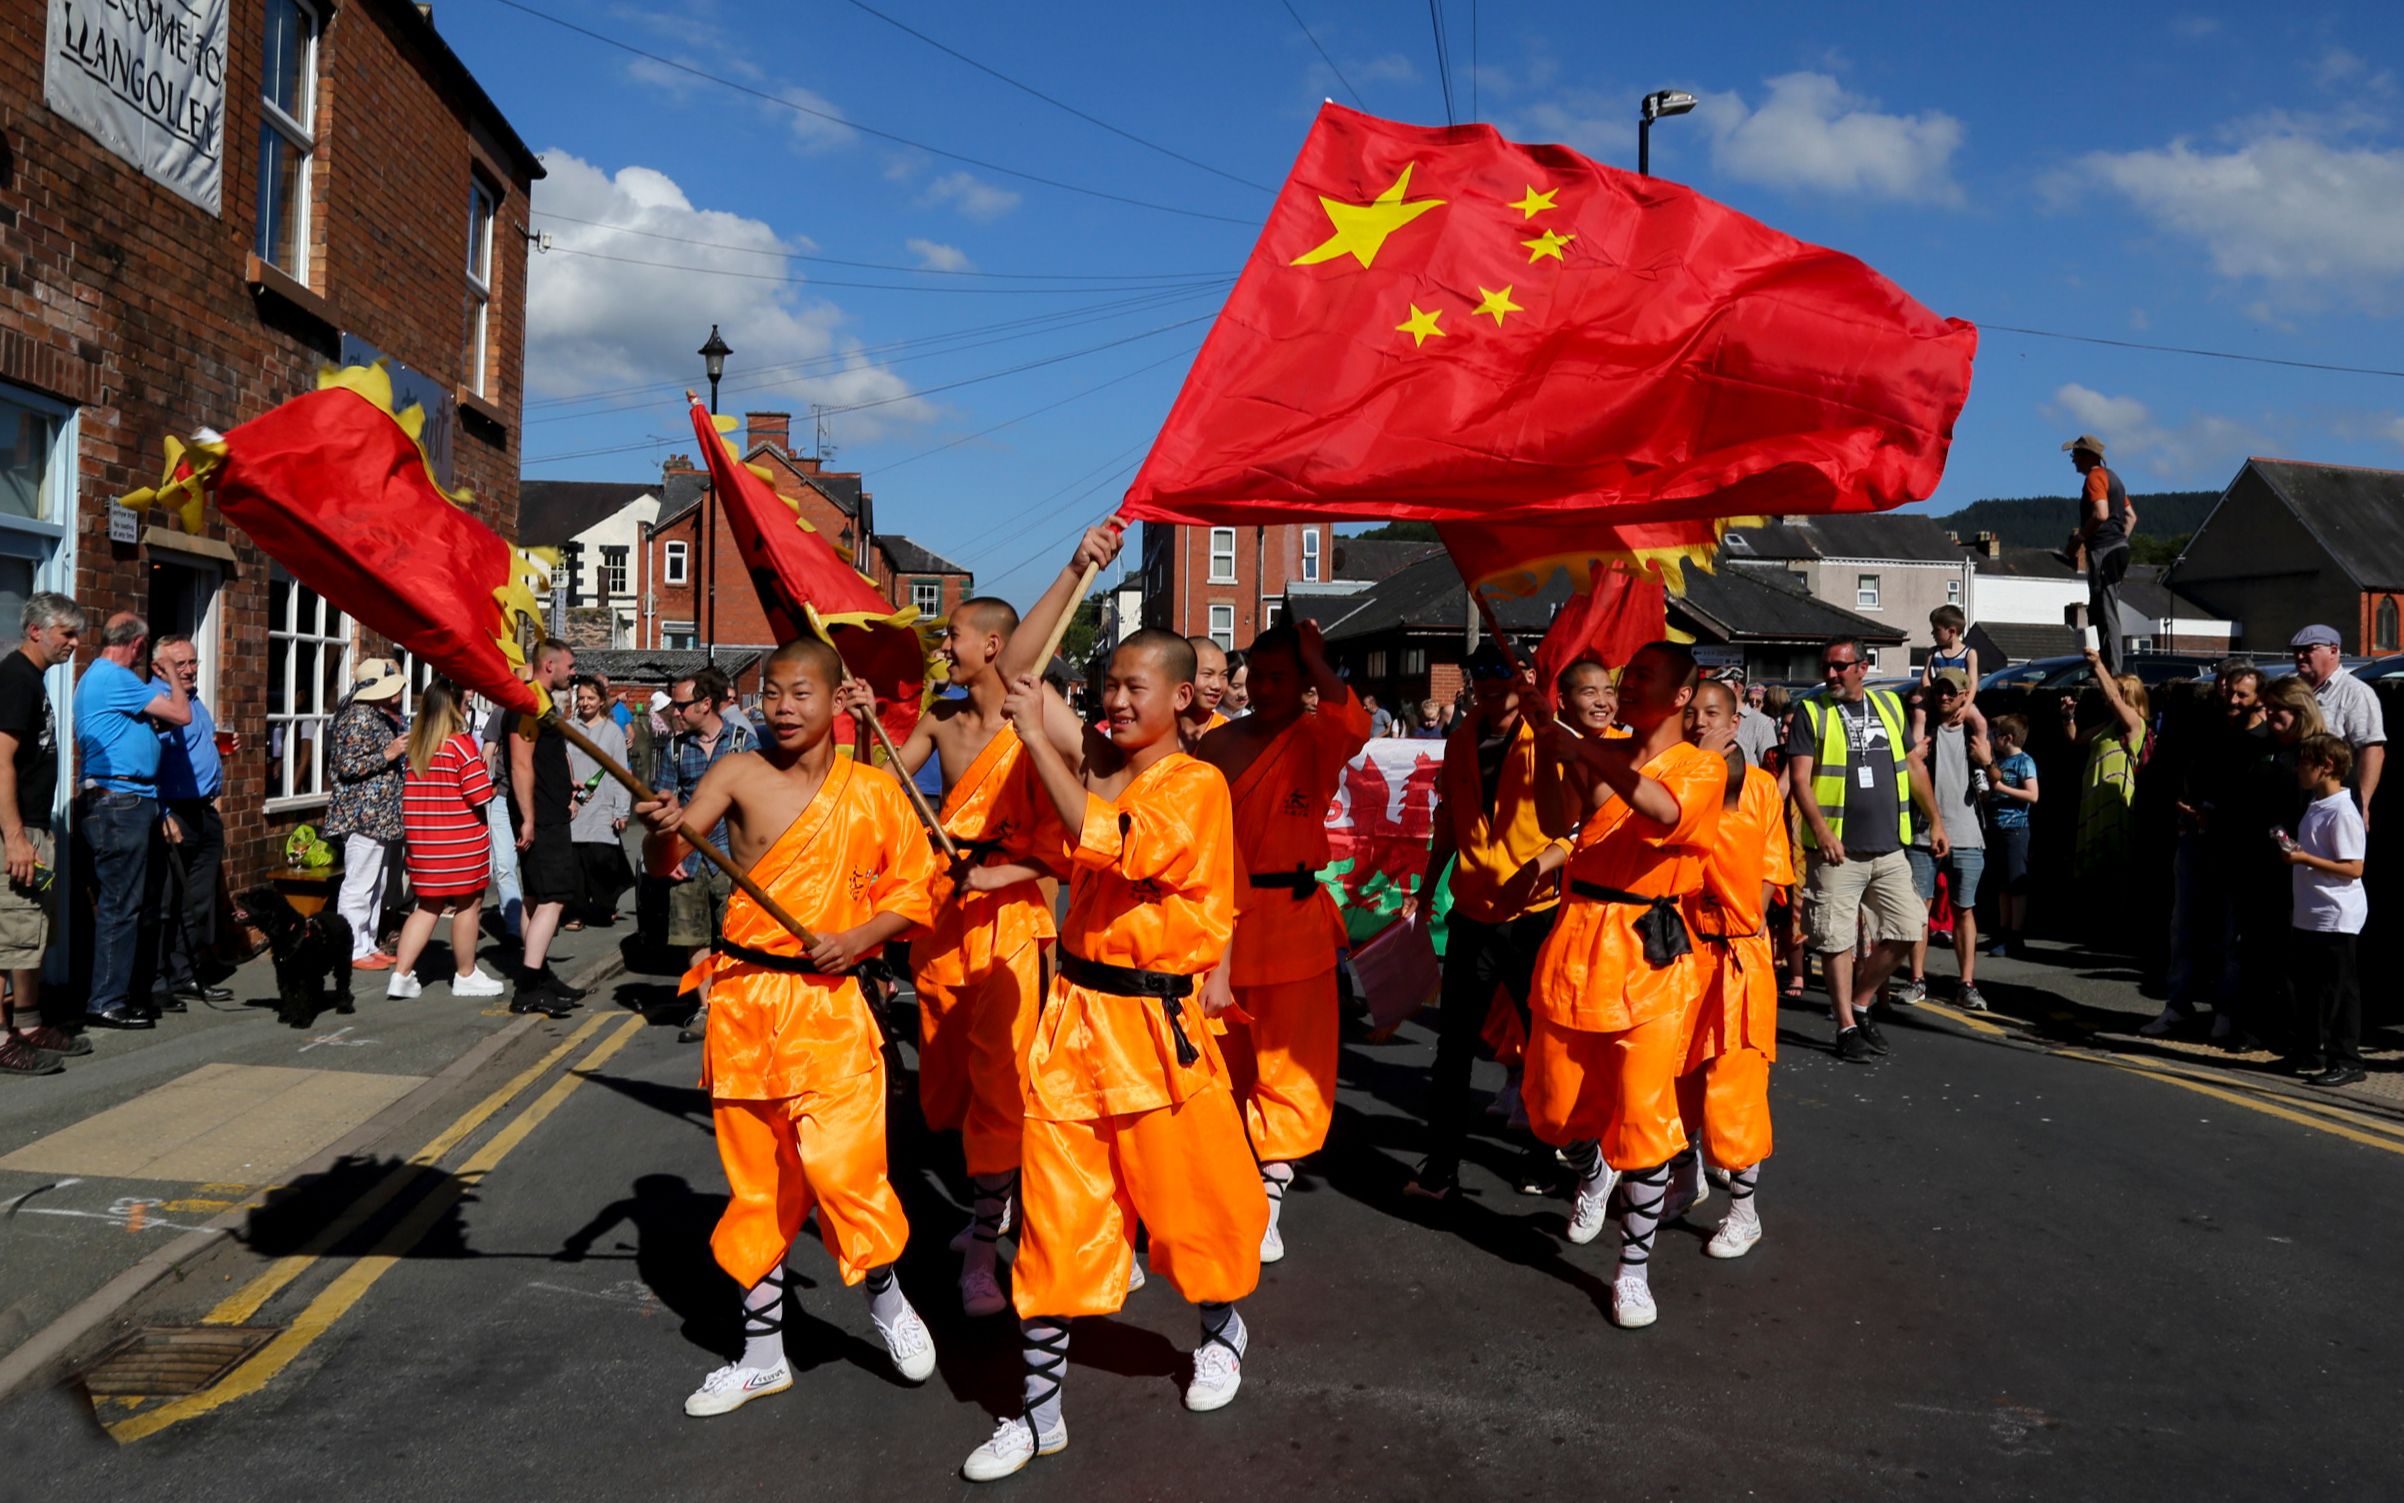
{"x":674,"y":613}
{"x":1229,"y":583}
{"x":166,"y":281}
{"x":910,"y":575}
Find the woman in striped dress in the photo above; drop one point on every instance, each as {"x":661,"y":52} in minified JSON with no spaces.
{"x":449,"y":848}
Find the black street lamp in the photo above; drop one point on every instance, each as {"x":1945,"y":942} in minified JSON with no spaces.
{"x":713,"y":360}
{"x":1657,"y":105}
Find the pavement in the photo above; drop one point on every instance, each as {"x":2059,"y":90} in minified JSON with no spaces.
{"x":2014,"y":1260}
{"x":157,"y":1133}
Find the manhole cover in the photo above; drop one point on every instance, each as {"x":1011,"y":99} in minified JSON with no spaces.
{"x":161,"y":1361}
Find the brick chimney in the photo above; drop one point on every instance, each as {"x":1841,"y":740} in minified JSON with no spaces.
{"x":1989,"y":544}
{"x":768,"y":428}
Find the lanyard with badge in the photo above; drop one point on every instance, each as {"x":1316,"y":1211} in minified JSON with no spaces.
{"x":1857,"y":740}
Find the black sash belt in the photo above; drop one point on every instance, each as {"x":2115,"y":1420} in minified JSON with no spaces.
{"x":1661,"y":927}
{"x":1127,"y":981}
{"x":769,"y":960}
{"x":1302,"y":881}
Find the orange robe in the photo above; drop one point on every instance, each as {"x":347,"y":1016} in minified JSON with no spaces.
{"x":792,"y":1062}
{"x":1608,"y":1037}
{"x":1117,"y":1128}
{"x":1733,"y":1035}
{"x":1282,"y":1062}
{"x":979,"y":969}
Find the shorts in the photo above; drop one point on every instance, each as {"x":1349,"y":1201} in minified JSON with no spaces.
{"x":1837,"y":894}
{"x":25,"y":913}
{"x":697,"y":908}
{"x":1962,"y":866}
{"x":547,"y":869}
{"x":2010,"y":850}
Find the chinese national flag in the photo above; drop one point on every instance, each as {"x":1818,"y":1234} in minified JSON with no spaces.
{"x":797,"y":571}
{"x":1444,"y":325}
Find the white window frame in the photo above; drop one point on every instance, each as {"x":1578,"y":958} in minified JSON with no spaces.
{"x":1310,"y":555}
{"x":1865,"y":592}
{"x":483,"y":208}
{"x":1953,"y":592}
{"x":1222,"y":626}
{"x":685,"y":629}
{"x":613,"y":574}
{"x":300,"y":135}
{"x":327,"y":628}
{"x":48,"y":544}
{"x":927,"y":595}
{"x":1219,"y":574}
{"x":672,"y":563}
{"x":1272,"y":611}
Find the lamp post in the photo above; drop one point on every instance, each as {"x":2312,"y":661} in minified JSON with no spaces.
{"x":1657,"y":105}
{"x":713,"y":355}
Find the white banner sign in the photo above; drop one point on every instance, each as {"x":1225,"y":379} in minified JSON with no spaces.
{"x":147,"y":79}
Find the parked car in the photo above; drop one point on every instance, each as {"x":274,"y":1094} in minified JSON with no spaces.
{"x":2376,"y":669}
{"x":2152,"y":669}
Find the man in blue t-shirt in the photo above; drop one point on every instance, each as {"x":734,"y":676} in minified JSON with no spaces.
{"x":117,"y":811}
{"x":191,"y":783}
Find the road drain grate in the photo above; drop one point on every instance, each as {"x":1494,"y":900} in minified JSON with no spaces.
{"x":162,"y":1361}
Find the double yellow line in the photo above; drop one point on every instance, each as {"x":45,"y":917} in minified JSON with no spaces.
{"x":2354,"y":1127}
{"x":347,"y":1288}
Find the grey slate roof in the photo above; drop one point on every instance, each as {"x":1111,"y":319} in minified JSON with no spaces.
{"x":1740,"y":604}
{"x":684,"y":489}
{"x":908,"y":558}
{"x":1889,"y":535}
{"x":1429,"y":595}
{"x":648,"y":665}
{"x":1377,"y":558}
{"x":2357,"y":514}
{"x":678,"y":494}
{"x":552,"y":511}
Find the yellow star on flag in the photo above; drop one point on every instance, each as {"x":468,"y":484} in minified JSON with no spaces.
{"x":1421,"y":324}
{"x":1535,"y":203}
{"x":1361,"y":229}
{"x":1498,"y":304}
{"x":1548,"y":244}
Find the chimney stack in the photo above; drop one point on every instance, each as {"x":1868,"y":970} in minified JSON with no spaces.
{"x":768,"y":428}
{"x":1989,"y":544}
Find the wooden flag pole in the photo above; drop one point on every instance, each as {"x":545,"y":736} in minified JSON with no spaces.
{"x":698,"y":839}
{"x":901,"y":774}
{"x":1076,"y":601}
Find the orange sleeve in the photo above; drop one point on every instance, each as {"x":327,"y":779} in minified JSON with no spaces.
{"x":2099,"y":486}
{"x":1777,"y":852}
{"x":1145,"y":839}
{"x":1698,"y":783}
{"x":905,"y":881}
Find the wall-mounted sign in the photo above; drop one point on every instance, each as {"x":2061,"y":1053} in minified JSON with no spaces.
{"x":125,"y":524}
{"x":147,"y":79}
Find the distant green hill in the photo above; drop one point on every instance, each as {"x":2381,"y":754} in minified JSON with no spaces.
{"x":2042,"y":521}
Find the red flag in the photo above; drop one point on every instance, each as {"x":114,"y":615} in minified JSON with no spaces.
{"x":796,"y":570}
{"x":1441,"y":324}
{"x":334,"y":487}
{"x":1605,"y":622}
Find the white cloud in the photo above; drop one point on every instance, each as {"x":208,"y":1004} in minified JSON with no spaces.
{"x":593,"y":324}
{"x":971,"y":196}
{"x":813,"y":132}
{"x":2395,"y":431}
{"x":1813,"y":135}
{"x":1393,"y":68}
{"x":2194,"y":28}
{"x":2303,"y":217}
{"x":2202,"y":448}
{"x":936,"y":256}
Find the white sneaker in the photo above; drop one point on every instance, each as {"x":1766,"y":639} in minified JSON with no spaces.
{"x":1737,"y":1233}
{"x":981,"y":1293}
{"x":402,"y":987}
{"x":1218,"y":1373}
{"x":910,"y":1344}
{"x":1590,"y":1207}
{"x":1272,"y":1245}
{"x":1632,"y":1303}
{"x":1135,"y":1274}
{"x":477,"y":984}
{"x":1014,"y":1444}
{"x":734,"y":1385}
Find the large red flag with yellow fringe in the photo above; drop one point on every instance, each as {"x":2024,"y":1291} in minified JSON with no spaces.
{"x":334,"y":486}
{"x":798,"y":573}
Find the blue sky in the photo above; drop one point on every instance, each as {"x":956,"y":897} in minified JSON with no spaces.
{"x":2229,"y":178}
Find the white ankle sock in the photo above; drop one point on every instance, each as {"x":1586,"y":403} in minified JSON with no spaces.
{"x":764,"y":1321}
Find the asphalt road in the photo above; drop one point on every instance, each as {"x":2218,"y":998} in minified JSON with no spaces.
{"x":1990,"y":1271}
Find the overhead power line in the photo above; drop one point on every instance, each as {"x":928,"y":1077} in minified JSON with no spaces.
{"x":1323,"y":57}
{"x":867,"y":130}
{"x":2174,"y":349}
{"x":923,"y":271}
{"x":1078,"y":396}
{"x":1435,"y":20}
{"x":1058,"y":104}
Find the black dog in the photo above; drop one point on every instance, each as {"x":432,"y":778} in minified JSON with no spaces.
{"x":309,"y":953}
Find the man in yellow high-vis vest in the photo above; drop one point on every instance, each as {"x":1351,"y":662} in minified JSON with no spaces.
{"x":1855,"y":773}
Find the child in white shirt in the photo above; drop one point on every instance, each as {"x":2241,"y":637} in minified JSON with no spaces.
{"x":2326,"y":854}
